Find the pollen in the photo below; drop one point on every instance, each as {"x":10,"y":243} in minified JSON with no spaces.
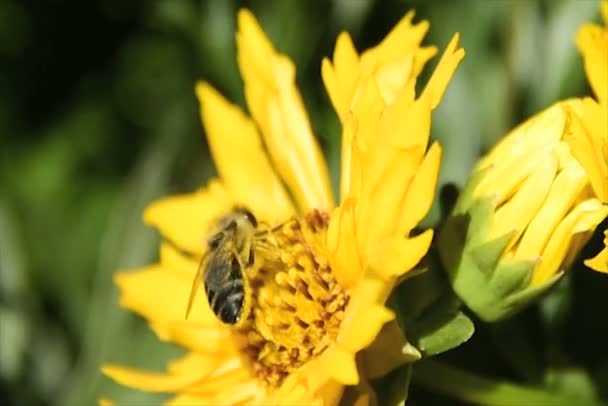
{"x":297,"y":304}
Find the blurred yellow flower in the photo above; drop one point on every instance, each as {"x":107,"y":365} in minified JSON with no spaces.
{"x":322,"y":302}
{"x":592,"y":41}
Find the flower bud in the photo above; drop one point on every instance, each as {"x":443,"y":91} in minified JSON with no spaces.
{"x":526,"y":211}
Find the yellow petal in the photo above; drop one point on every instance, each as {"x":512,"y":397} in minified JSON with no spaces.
{"x":276,"y":105}
{"x":349,"y":166}
{"x":365,"y":314}
{"x":213,"y":339}
{"x":587,"y":136}
{"x":398,"y":255}
{"x":419,"y":196}
{"x":592,"y":42}
{"x":503,"y":180}
{"x":523,"y":207}
{"x":151,"y":381}
{"x":192,"y":363}
{"x":342,"y":245}
{"x":368,"y":322}
{"x":391,"y":77}
{"x":584,"y":218}
{"x":403,"y":39}
{"x":341,"y":78}
{"x":186,"y":219}
{"x":155,"y":294}
{"x":565,"y":190}
{"x":387,"y":173}
{"x":600,"y":261}
{"x":406,"y":123}
{"x":341,"y":366}
{"x":237,"y":150}
{"x":543,"y":130}
{"x":442,"y":74}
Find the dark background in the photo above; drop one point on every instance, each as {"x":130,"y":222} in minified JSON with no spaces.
{"x":98,"y":118}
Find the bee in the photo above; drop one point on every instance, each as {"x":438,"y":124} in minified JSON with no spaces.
{"x":230,"y":252}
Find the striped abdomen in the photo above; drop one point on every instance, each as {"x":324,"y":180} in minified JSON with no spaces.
{"x":227,"y":301}
{"x":225,"y":289}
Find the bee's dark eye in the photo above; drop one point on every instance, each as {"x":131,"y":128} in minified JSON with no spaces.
{"x":250,"y":217}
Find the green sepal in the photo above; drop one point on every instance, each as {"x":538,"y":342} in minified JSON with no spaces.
{"x":487,"y":255}
{"x":491,"y":287}
{"x":481,"y":215}
{"x":512,"y":276}
{"x":466,"y":197}
{"x":526,"y":296}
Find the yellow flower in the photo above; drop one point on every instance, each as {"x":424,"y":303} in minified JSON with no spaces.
{"x":592,"y":41}
{"x":317,"y":307}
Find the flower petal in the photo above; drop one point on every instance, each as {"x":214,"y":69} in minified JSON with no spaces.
{"x":151,"y":381}
{"x":442,"y":74}
{"x":341,"y":365}
{"x":584,"y":218}
{"x":365,"y":314}
{"x":588,"y":139}
{"x":387,"y":173}
{"x":600,"y":261}
{"x":276,"y":105}
{"x":592,"y":42}
{"x":186,"y":219}
{"x":565,"y":190}
{"x":227,"y":127}
{"x":152,"y":292}
{"x":342,"y":245}
{"x":395,"y":256}
{"x":523,"y":207}
{"x":341,"y":78}
{"x":419,"y":196}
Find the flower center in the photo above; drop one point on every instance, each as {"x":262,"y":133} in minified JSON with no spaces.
{"x":297,"y":305}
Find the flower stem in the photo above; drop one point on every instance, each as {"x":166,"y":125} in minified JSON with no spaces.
{"x":467,"y":386}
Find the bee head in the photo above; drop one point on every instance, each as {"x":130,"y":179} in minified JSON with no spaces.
{"x":248,"y":215}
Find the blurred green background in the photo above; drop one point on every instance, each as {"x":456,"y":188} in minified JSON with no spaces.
{"x":98,"y":118}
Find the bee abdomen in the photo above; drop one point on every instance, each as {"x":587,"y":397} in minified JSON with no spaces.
{"x":228,"y":302}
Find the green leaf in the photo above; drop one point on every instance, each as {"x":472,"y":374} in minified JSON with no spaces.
{"x":441,"y":332}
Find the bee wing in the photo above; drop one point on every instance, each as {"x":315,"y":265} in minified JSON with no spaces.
{"x":195,"y":284}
